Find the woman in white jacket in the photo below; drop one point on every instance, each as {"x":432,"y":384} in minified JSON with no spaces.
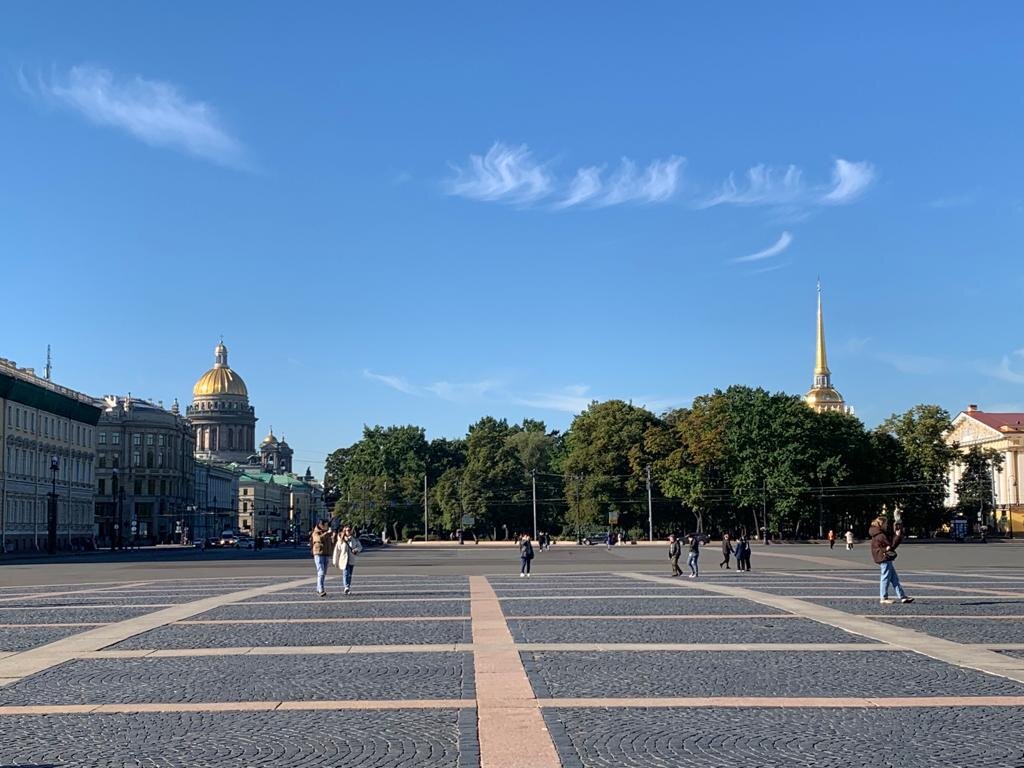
{"x":346,"y":547}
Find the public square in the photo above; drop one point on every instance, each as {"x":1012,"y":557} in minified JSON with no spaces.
{"x":444,"y":656}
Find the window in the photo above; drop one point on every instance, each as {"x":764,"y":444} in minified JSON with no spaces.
{"x":102,"y":486}
{"x":115,"y":438}
{"x":149,"y":459}
{"x":151,"y":487}
{"x":163,"y":487}
{"x":136,"y":458}
{"x":149,"y":439}
{"x":136,"y":439}
{"x":102,"y":438}
{"x":138,"y":487}
{"x":102,"y":461}
{"x":116,"y":461}
{"x":160,"y":442}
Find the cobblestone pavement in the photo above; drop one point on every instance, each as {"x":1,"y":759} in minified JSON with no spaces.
{"x":416,"y":670}
{"x":782,"y":738}
{"x":365,"y":738}
{"x":396,"y":632}
{"x":679,"y":630}
{"x":269,"y":677}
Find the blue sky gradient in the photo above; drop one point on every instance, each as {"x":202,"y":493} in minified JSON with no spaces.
{"x":412,"y":213}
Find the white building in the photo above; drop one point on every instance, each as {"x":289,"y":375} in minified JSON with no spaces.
{"x":47,"y":441}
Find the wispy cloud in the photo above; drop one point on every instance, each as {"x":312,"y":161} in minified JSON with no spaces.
{"x":763,"y":185}
{"x":153,"y":111}
{"x":395,"y":382}
{"x":1005,"y":370}
{"x":506,"y":174}
{"x":780,"y":245}
{"x":571,"y":399}
{"x":512,"y":175}
{"x":850,"y":180}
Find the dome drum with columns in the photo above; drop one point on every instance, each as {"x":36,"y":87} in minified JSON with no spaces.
{"x":224,"y":422}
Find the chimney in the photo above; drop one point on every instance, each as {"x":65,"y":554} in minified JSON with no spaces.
{"x":972,"y":407}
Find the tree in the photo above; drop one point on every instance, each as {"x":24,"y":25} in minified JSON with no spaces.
{"x":974,"y":488}
{"x":599,"y":474}
{"x":925,"y":462}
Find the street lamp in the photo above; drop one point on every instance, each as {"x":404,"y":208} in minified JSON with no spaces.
{"x":51,"y":521}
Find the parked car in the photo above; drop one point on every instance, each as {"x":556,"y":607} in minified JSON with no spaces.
{"x":244,"y":542}
{"x":229,"y":540}
{"x":370,"y":540}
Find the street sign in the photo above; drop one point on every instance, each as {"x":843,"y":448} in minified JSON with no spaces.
{"x":468,"y":521}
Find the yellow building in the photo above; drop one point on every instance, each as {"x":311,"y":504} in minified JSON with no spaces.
{"x":1002,"y":432}
{"x":823,"y":396}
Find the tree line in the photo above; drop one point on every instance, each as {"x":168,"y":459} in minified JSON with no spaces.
{"x":739,"y":459}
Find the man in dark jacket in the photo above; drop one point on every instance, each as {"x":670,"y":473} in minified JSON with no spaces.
{"x":674,"y":551}
{"x":727,"y":550}
{"x":883,"y":552}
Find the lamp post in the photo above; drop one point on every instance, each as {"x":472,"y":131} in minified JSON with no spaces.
{"x":51,"y":519}
{"x":117,"y":510}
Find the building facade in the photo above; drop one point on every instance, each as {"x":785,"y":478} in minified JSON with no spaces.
{"x":822,"y":396}
{"x":275,"y":455}
{"x":47,"y":443}
{"x":263,"y":502}
{"x":145,"y":472}
{"x":224,"y":422}
{"x":216,"y":500}
{"x":1003,"y":433}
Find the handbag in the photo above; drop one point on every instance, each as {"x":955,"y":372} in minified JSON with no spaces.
{"x":891,"y":555}
{"x":355,"y":546}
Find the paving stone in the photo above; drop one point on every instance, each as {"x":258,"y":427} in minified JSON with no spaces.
{"x":631,"y":674}
{"x":623,"y":592}
{"x":18,"y":639}
{"x":788,"y":738}
{"x":362,"y":676}
{"x":338,"y":608}
{"x":364,"y":593}
{"x":632,"y":606}
{"x":966,"y":630}
{"x":678,"y":631}
{"x":301,"y":633}
{"x":361,"y":738}
{"x":968,"y":606}
{"x":70,"y":615}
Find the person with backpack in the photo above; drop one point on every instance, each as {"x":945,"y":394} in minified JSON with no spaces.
{"x":346,"y":548}
{"x":883,"y":552}
{"x":525,"y":555}
{"x":321,"y":544}
{"x":693,"y":544}
{"x":674,"y":552}
{"x":831,"y":539}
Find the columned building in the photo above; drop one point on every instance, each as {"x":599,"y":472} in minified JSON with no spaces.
{"x":1001,"y":432}
{"x":275,"y":455}
{"x":47,"y":442}
{"x":144,"y":473}
{"x":224,"y":422}
{"x":822,"y":396}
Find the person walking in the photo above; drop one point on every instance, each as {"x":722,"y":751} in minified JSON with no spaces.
{"x":674,"y":552}
{"x":693,"y":546}
{"x":346,"y":548}
{"x":849,"y":540}
{"x":727,"y":551}
{"x":883,"y":552}
{"x":321,"y":544}
{"x":525,"y":555}
{"x":831,"y":539}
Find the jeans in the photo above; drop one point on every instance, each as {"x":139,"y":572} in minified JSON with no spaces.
{"x":346,"y":576}
{"x":321,"y":571}
{"x":692,"y":562}
{"x":890,"y":578}
{"x":525,"y":565}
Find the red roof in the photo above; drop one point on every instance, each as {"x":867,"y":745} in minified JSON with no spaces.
{"x":1011,"y":421}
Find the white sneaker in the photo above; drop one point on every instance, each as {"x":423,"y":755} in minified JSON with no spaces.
{"x":527,"y":575}
{"x":906,"y":599}
{"x":886,"y":601}
{"x":347,"y":590}
{"x":522,"y":575}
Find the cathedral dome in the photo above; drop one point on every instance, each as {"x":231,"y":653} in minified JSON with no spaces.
{"x":269,"y":439}
{"x":220,"y":380}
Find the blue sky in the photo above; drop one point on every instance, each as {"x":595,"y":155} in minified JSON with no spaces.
{"x":413,"y":213}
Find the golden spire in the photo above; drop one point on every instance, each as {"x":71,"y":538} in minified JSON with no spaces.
{"x":821,"y":359}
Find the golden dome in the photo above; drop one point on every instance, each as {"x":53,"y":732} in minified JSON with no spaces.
{"x":220,"y":380}
{"x":270,"y":439}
